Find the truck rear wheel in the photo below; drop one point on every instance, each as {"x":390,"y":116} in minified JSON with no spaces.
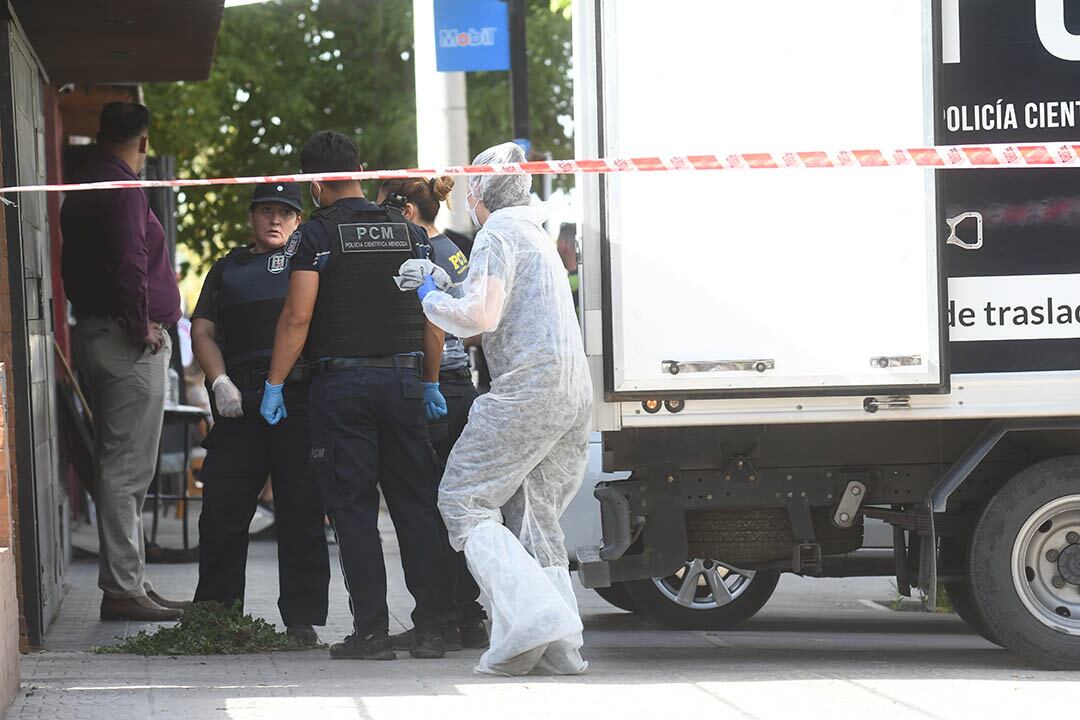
{"x":956,"y":554}
{"x":703,"y":595}
{"x":1025,"y":564}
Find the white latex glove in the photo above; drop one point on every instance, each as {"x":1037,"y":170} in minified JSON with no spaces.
{"x":413,"y":271}
{"x":227,"y":397}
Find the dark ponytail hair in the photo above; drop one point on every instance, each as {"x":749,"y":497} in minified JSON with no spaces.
{"x":426,"y":195}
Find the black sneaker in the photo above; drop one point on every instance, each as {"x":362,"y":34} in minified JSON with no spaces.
{"x":369,"y":647}
{"x":474,"y":635}
{"x":303,"y":635}
{"x":452,"y":638}
{"x":403,"y":640}
{"x":428,"y":646}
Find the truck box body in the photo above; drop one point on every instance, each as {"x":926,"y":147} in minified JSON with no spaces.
{"x":841,"y":283}
{"x":779,"y":353}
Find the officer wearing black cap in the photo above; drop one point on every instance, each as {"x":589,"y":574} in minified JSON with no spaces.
{"x":375,"y":376}
{"x":232,"y":334}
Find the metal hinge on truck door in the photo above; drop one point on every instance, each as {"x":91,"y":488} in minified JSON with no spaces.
{"x":674,"y":367}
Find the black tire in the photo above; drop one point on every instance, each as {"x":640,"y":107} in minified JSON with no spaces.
{"x":1014,"y":619}
{"x":650,"y":600}
{"x":618,"y":596}
{"x":955,"y":553}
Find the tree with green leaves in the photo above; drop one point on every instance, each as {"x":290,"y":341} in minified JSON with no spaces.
{"x":288,"y":68}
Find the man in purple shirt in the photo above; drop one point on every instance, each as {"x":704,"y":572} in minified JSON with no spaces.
{"x":119,"y":277}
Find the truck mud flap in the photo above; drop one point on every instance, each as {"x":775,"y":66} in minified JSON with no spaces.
{"x":642,"y":515}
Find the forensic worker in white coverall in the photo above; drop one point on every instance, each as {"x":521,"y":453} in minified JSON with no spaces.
{"x":522,"y":454}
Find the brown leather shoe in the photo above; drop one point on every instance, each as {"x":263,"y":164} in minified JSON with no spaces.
{"x":172,"y":604}
{"x":137,"y":608}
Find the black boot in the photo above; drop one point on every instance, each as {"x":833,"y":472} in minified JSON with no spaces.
{"x":474,"y":635}
{"x":428,"y":646}
{"x":403,"y":640}
{"x":452,"y":637}
{"x":303,"y":635}
{"x":369,"y":647}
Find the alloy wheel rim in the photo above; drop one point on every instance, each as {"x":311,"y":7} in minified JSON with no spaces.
{"x":705,"y":584}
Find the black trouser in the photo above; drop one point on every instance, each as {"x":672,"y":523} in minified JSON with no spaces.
{"x":368,"y":432}
{"x":457,"y":388}
{"x":241,"y":453}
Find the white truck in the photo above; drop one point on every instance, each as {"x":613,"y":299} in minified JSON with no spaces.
{"x":780,"y":354}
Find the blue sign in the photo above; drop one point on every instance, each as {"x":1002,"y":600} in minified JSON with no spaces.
{"x":471,"y":35}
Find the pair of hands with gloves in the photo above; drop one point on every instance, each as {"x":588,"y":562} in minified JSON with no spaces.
{"x":273,"y":410}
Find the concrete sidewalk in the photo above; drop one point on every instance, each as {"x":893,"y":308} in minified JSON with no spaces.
{"x":816,"y":651}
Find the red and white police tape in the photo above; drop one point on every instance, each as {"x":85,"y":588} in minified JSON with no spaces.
{"x":950,"y":157}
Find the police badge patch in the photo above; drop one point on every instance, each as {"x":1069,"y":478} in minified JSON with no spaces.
{"x":277,"y":262}
{"x":292,"y":245}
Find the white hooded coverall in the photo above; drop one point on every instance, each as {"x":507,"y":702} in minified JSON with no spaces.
{"x":522,"y":455}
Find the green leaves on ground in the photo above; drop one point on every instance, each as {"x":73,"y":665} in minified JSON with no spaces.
{"x":208,"y":628}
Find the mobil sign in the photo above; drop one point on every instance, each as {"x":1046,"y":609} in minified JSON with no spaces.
{"x":471,"y":35}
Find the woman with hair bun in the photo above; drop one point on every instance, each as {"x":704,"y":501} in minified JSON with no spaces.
{"x":421,"y":200}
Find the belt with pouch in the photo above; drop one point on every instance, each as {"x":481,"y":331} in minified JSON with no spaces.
{"x":457,"y":374}
{"x":256,"y":379}
{"x":404,"y":362}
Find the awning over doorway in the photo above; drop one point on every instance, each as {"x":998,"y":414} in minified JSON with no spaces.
{"x":122,"y":41}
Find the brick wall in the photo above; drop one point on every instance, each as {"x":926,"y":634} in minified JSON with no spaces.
{"x":11,"y":631}
{"x":10,"y":674}
{"x":9,"y":509}
{"x":7,"y":520}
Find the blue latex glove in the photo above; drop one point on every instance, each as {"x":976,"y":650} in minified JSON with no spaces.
{"x":425,"y":287}
{"x":434,"y":402}
{"x":273,"y":404}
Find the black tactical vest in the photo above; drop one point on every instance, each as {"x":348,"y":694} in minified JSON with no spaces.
{"x":360,"y":312}
{"x":251,"y":293}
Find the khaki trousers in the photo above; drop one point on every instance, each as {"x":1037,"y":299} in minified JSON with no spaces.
{"x":126,"y":384}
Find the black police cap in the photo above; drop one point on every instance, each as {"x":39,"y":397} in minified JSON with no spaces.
{"x":284,"y":193}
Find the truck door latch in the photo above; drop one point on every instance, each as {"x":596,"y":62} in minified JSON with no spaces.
{"x":890,"y":361}
{"x":893,"y":402}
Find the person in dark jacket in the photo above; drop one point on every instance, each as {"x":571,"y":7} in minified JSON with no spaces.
{"x":118,"y":275}
{"x":420,"y":200}
{"x":232,"y":336}
{"x":375,"y":378}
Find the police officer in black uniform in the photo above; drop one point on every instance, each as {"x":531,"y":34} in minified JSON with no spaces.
{"x":420,"y":200}
{"x":376,"y":368}
{"x":232,"y":337}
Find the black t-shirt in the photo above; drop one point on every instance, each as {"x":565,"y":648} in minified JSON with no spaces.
{"x":207,"y":306}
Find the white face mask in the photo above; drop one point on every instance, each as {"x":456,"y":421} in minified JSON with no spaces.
{"x":472,"y":212}
{"x":314,"y":197}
